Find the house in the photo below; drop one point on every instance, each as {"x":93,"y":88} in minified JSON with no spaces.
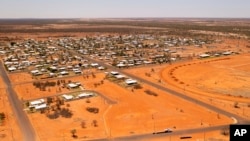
{"x":227,"y":53}
{"x":101,"y":68}
{"x":12,"y":68}
{"x":67,"y":97}
{"x":77,"y":71}
{"x":121,"y":65}
{"x":130,"y":81}
{"x":72,"y":85}
{"x":42,"y":106}
{"x":94,"y":64}
{"x":82,"y":95}
{"x":53,"y":68}
{"x":114,"y":72}
{"x":119,"y":76}
{"x":36,"y":72}
{"x":64,"y":73}
{"x":37,"y":102}
{"x":204,"y":55}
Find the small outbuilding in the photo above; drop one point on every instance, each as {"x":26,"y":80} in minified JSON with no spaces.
{"x":67,"y":97}
{"x":130,"y":81}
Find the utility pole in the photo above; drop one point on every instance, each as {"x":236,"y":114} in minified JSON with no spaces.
{"x":153,"y":123}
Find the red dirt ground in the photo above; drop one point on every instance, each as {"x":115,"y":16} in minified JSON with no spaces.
{"x":9,"y":130}
{"x":142,"y":113}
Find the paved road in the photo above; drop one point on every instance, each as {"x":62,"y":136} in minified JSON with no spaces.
{"x":239,"y":119}
{"x":22,"y":119}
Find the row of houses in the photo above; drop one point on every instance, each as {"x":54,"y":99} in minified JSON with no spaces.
{"x":41,"y":103}
{"x":127,"y":81}
{"x":216,"y":54}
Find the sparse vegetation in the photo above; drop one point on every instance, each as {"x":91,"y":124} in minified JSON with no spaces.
{"x":83,"y":124}
{"x":73,"y":132}
{"x":149,"y":92}
{"x":94,"y":123}
{"x":225,"y":131}
{"x":236,"y":105}
{"x":2,"y":117}
{"x":93,"y":110}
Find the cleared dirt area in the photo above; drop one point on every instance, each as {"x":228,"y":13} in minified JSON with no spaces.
{"x":189,"y":74}
{"x":9,"y":130}
{"x":141,"y":112}
{"x":145,"y":113}
{"x":61,"y":127}
{"x":217,"y":75}
{"x":20,"y":77}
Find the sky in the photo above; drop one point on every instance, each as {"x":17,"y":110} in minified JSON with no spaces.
{"x":124,"y":8}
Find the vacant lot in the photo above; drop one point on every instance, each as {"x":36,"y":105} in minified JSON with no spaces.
{"x":9,"y":130}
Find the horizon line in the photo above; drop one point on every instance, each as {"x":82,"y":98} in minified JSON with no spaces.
{"x":133,"y":18}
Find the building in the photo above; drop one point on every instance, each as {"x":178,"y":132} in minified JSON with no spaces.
{"x":38,"y":104}
{"x":67,"y":97}
{"x":130,"y":81}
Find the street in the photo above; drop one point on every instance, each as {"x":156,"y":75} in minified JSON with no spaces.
{"x":22,"y":119}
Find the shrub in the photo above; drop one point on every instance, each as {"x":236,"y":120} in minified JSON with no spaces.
{"x":236,"y":105}
{"x":83,"y":124}
{"x":2,"y":116}
{"x":93,"y":110}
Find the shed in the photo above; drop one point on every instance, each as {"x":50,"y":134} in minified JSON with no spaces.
{"x":204,"y":55}
{"x":12,"y":68}
{"x":72,"y":85}
{"x":130,"y":81}
{"x":42,"y":106}
{"x":37,"y":102}
{"x":85,"y":95}
{"x":67,"y":97}
{"x":114,"y":72}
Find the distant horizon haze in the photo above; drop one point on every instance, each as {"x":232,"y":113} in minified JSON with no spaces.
{"x":92,"y":9}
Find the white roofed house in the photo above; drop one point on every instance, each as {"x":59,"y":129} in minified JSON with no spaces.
{"x":53,"y":68}
{"x":94,"y":64}
{"x":114,"y":72}
{"x":64,"y":73}
{"x":204,"y":55}
{"x":120,"y":65}
{"x":72,"y":85}
{"x":36,"y":72}
{"x":82,"y":95}
{"x":120,"y":76}
{"x":68,"y":97}
{"x":38,"y":104}
{"x":12,"y":68}
{"x":77,"y":71}
{"x":130,"y":81}
{"x":42,"y":106}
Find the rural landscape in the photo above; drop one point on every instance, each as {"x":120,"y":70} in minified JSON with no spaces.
{"x":123,"y":79}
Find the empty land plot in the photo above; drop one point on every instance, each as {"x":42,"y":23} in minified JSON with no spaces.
{"x":145,"y":113}
{"x":218,"y":76}
{"x":29,"y":91}
{"x":87,"y":125}
{"x":20,"y":77}
{"x":9,"y":129}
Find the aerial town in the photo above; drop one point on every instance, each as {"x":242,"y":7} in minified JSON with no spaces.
{"x":123,"y":79}
{"x":122,"y":86}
